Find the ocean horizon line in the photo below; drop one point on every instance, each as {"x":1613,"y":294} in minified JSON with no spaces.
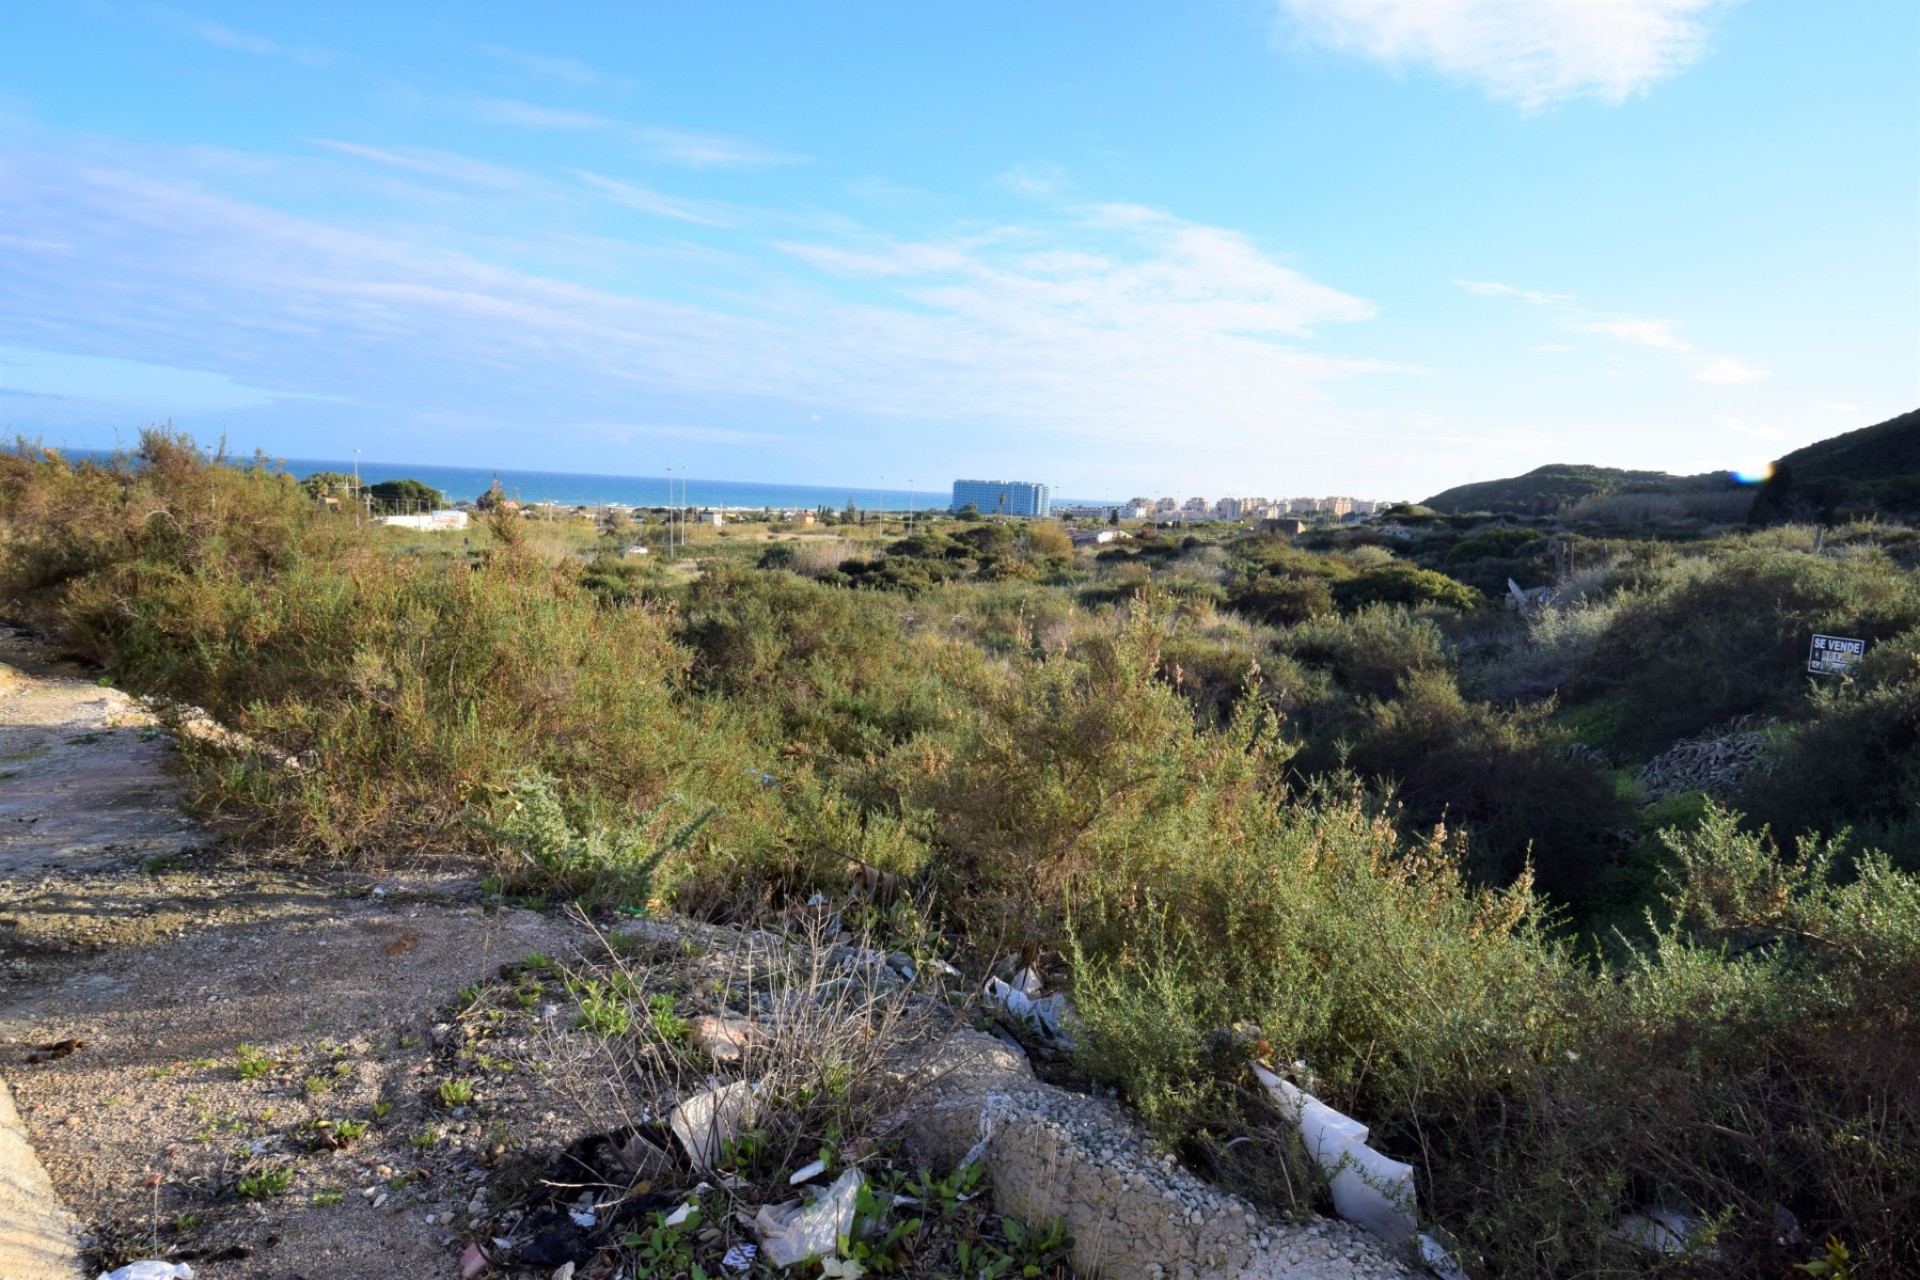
{"x":597,"y":489}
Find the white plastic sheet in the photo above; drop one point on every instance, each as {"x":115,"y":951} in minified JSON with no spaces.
{"x":705,"y":1122}
{"x":792,"y":1232}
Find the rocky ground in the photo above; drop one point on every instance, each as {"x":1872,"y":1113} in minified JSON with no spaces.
{"x":272,"y":1073}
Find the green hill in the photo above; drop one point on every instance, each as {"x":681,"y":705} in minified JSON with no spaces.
{"x":1875,"y":470}
{"x":1544,"y":490}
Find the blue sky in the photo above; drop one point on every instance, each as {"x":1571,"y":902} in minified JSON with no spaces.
{"x":1250,"y":246}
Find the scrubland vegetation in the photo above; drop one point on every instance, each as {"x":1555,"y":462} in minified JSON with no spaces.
{"x":1318,"y":799}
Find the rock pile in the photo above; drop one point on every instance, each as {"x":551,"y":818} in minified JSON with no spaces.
{"x":1715,"y":762}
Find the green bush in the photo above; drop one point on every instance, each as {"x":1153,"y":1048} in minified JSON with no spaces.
{"x":1699,"y":640}
{"x":1404,"y":584}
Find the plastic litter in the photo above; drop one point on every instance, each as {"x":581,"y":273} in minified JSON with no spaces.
{"x":740,"y":1256}
{"x":1369,"y":1189}
{"x":1663,"y":1230}
{"x":1049,"y":1018}
{"x":150,"y":1270}
{"x":473,"y":1260}
{"x":792,"y":1232}
{"x":562,"y":1272}
{"x":708,"y":1120}
{"x":679,"y":1215}
{"x":1439,"y":1260}
{"x":992,"y":1111}
{"x":582,"y":1217}
{"x":807,"y":1172}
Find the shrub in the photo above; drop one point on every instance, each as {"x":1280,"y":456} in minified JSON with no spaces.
{"x":1370,"y":650}
{"x":545,"y":853}
{"x":1407,"y":585}
{"x":1281,"y":601}
{"x":1703,"y":639}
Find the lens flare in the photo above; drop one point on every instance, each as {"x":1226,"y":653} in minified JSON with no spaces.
{"x":1753,"y":475}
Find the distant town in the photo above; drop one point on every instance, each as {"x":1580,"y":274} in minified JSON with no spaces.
{"x":1028,"y":498}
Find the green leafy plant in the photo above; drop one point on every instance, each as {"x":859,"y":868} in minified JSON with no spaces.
{"x":264,"y":1184}
{"x":592,"y":863}
{"x":662,"y":1250}
{"x":457,"y":1092}
{"x":251,"y":1062}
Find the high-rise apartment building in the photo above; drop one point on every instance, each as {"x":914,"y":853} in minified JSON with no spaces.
{"x":1003,"y":497}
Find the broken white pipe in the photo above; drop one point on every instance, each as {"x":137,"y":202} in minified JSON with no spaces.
{"x":1369,"y":1189}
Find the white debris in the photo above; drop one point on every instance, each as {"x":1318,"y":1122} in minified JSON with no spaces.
{"x":711,"y":1118}
{"x":807,"y":1172}
{"x":582,"y":1217}
{"x":150,"y":1270}
{"x":792,"y":1232}
{"x":1439,"y":1260}
{"x":1662,"y":1230}
{"x":739,"y":1257}
{"x":1368,"y":1188}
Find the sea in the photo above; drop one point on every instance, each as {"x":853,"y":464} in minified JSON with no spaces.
{"x":582,"y":489}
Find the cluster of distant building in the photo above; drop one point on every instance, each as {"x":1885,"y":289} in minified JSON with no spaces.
{"x":1025,"y":498}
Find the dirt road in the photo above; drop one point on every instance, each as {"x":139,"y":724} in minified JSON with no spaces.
{"x":186,"y":1032}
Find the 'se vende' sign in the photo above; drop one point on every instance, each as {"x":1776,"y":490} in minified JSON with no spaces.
{"x":1834,"y":655}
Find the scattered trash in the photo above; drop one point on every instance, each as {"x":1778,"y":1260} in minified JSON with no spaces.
{"x":709,"y":1119}
{"x":150,"y":1270}
{"x":996,"y":1107}
{"x":1663,"y":1230}
{"x":807,"y":1172}
{"x":1049,"y":1018}
{"x":1027,"y":982}
{"x":792,"y":1232}
{"x":582,"y":1218}
{"x":1369,"y":1189}
{"x":740,"y":1256}
{"x":680,"y":1215}
{"x":1439,"y":1259}
{"x":563,"y":1272}
{"x":473,"y":1261}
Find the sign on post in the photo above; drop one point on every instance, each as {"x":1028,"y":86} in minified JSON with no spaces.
{"x":1834,"y":655}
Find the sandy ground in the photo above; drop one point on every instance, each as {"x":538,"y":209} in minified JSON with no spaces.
{"x":137,"y":957}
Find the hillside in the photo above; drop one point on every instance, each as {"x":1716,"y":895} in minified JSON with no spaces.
{"x":1544,"y":490}
{"x":1874,"y":469}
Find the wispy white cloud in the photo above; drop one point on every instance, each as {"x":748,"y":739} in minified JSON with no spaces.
{"x":1663,"y":335}
{"x":570,"y":70}
{"x":225,"y":37}
{"x":1037,"y":181}
{"x":688,"y":147}
{"x":647,"y":201}
{"x":528,"y":115}
{"x":1657,"y":335}
{"x":707,"y":150}
{"x":1651,"y":334}
{"x":1726,"y":369}
{"x":1491,"y":289}
{"x":1532,"y":53}
{"x":435,"y":164}
{"x":1111,"y":324}
{"x":1550,"y":347}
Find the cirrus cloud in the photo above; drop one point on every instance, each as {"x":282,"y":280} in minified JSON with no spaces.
{"x":1532,"y":53}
